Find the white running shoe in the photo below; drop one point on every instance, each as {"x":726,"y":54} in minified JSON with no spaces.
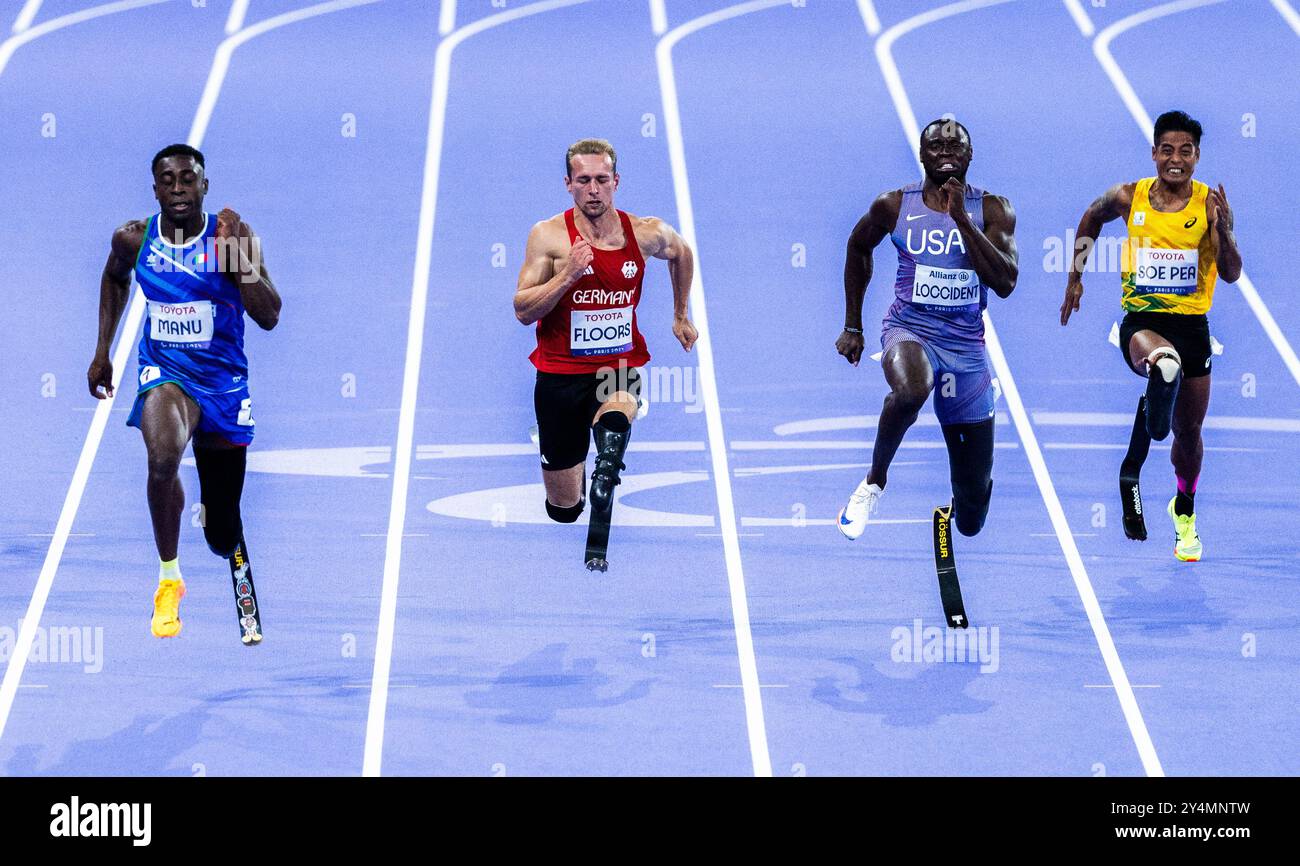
{"x":863,"y":503}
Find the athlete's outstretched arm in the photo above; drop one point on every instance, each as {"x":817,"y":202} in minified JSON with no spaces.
{"x":539,"y":288}
{"x":992,"y":251}
{"x":1111,"y":205}
{"x":672,"y":247}
{"x":874,"y":227}
{"x":240,"y":250}
{"x":1226,"y":254}
{"x":114,"y":287}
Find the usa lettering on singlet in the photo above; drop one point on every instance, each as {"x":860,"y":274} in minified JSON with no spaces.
{"x":594,"y":325}
{"x":936,"y":289}
{"x":195,"y":326}
{"x":1168,"y":264}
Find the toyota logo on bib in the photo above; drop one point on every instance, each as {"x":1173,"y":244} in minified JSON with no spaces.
{"x":629,"y":269}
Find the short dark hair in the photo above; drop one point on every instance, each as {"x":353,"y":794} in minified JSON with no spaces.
{"x":942,"y":121}
{"x":176,"y":150}
{"x":1178,"y":121}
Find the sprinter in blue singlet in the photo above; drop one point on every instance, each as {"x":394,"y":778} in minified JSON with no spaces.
{"x":954,"y":243}
{"x":200,"y":273}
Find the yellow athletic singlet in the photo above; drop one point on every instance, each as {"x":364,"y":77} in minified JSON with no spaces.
{"x":1168,"y":264}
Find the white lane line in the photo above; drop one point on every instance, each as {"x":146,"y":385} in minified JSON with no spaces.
{"x":125,"y":344}
{"x":1115,"y":446}
{"x":1081,"y":19}
{"x":754,"y":722}
{"x":820,"y":521}
{"x":869,"y":17}
{"x":860,"y":422}
{"x":374,"y":750}
{"x":838,"y":444}
{"x":1101,"y":49}
{"x":1287,"y":11}
{"x":212,"y":90}
{"x":1212,"y":422}
{"x":27,"y":15}
{"x":446,"y":17}
{"x":1128,"y":702}
{"x":658,"y":17}
{"x":27,"y":33}
{"x":235,"y":21}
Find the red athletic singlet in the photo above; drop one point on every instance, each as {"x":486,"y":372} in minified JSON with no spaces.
{"x":594,"y":324}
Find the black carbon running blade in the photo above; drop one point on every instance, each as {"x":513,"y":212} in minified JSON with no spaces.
{"x":945,"y":564}
{"x":241,"y":577}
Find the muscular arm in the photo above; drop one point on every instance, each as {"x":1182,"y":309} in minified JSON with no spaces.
{"x":1111,"y":205}
{"x":241,"y":259}
{"x":1226,"y":255}
{"x":874,"y":227}
{"x":665,"y":243}
{"x":540,"y":288}
{"x":992,"y":251}
{"x":114,"y":288}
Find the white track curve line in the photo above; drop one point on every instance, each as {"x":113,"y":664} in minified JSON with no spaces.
{"x":1101,"y":49}
{"x":760,"y":757}
{"x":1128,"y":702}
{"x":29,"y":34}
{"x":1081,"y":19}
{"x":27,"y":15}
{"x":372,"y":762}
{"x":212,"y":90}
{"x":121,"y":354}
{"x":1287,"y":11}
{"x":235,"y":21}
{"x":658,"y":17}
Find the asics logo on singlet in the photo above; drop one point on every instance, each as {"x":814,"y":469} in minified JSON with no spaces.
{"x":1191,"y":222}
{"x":629,"y":269}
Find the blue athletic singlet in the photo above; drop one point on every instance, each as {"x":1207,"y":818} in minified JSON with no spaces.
{"x":194,"y":330}
{"x":939,"y":301}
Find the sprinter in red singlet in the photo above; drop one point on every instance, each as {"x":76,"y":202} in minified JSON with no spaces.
{"x":581,"y":284}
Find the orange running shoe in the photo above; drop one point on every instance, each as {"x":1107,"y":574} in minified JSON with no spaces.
{"x":167,"y":608}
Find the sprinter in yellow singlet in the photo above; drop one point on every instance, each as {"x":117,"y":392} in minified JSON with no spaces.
{"x":1179,"y":240}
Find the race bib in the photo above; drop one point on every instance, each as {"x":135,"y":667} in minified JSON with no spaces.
{"x":945,"y":287}
{"x":1165,"y":272}
{"x":182,"y":325}
{"x":600,"y":332}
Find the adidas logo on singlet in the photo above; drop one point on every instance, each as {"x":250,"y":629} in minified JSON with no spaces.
{"x":588,"y":271}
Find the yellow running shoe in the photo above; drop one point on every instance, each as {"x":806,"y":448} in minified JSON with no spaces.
{"x":1187,"y":544}
{"x":167,"y":608}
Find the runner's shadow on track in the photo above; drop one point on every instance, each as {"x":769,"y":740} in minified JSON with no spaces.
{"x":1173,"y":605}
{"x":533,"y":690}
{"x":904,"y":702}
{"x":148,"y":746}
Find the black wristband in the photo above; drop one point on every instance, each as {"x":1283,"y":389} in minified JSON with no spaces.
{"x":853,"y":330}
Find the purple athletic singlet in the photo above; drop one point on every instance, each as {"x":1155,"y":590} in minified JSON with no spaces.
{"x":938,"y":302}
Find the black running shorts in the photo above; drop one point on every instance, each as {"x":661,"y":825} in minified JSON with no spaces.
{"x":566,"y":405}
{"x":1190,"y":336}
